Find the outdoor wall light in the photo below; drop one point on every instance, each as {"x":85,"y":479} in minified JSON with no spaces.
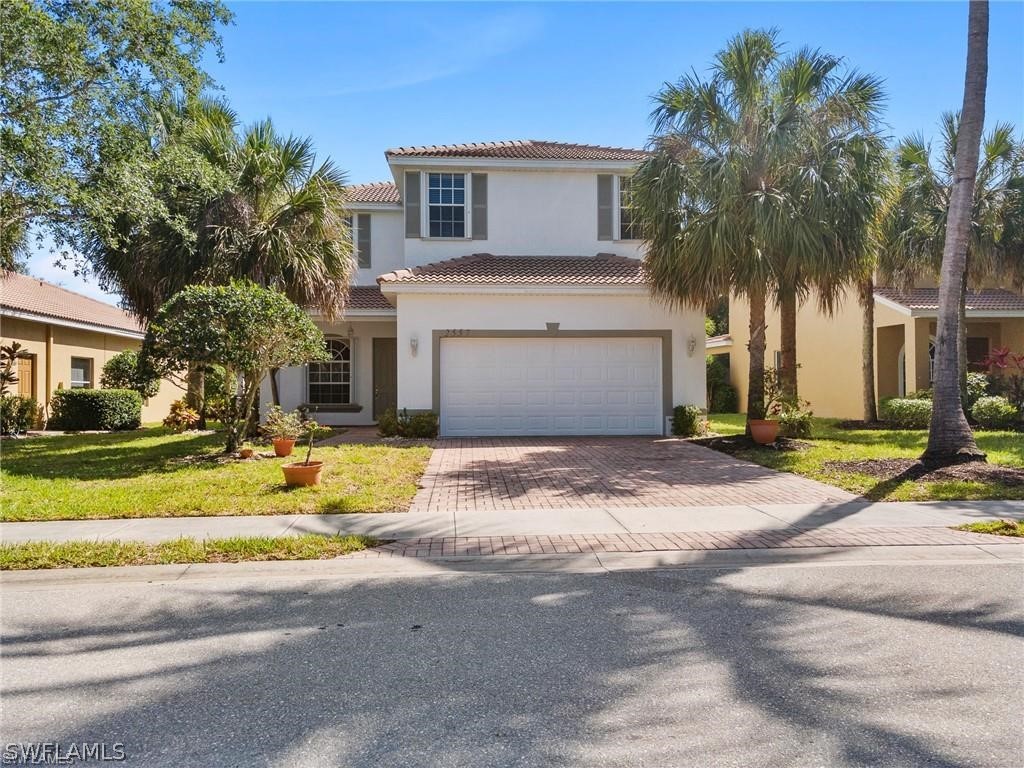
{"x":414,"y":344}
{"x":691,"y":345}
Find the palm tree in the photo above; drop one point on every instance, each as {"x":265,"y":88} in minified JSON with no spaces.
{"x":759,"y":183}
{"x":915,"y":226}
{"x":949,"y":434}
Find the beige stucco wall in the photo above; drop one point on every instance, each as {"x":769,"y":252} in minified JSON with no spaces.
{"x":66,"y":343}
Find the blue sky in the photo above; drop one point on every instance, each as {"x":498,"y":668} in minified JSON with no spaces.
{"x":362,"y":77}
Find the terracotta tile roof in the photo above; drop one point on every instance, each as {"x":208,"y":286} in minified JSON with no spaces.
{"x":367,"y":297}
{"x":484,"y":268}
{"x":377,"y":192}
{"x":22,"y":293}
{"x":986,"y":300}
{"x":526,"y":149}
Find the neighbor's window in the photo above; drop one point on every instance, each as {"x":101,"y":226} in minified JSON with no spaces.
{"x":446,"y":204}
{"x":977,"y":353}
{"x":81,"y":372}
{"x":330,"y":382}
{"x":628,"y":227}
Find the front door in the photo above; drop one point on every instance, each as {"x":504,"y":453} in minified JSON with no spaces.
{"x":385,"y":375}
{"x":26,"y":373}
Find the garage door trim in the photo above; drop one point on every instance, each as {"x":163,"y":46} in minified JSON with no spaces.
{"x":619,"y":333}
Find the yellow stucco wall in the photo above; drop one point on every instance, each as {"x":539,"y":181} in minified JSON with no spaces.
{"x":53,"y":346}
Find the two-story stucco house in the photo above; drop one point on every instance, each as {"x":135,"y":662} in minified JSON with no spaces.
{"x":500,"y":286}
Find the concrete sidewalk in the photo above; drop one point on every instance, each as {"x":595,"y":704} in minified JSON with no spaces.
{"x":546,"y":522}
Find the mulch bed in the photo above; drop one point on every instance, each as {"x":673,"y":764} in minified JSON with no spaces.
{"x":736,"y":444}
{"x":914,"y":469}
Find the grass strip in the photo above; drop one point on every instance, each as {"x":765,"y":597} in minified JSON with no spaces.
{"x":995,"y":527}
{"x":92,"y":554}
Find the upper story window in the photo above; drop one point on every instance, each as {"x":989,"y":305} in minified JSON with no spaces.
{"x":628,"y":227}
{"x":446,"y":204}
{"x":359,"y":230}
{"x":330,"y":382}
{"x":81,"y":372}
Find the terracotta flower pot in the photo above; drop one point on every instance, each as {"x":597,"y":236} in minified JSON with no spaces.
{"x":764,"y":431}
{"x":298,"y":473}
{"x":245,"y":453}
{"x":283,"y":446}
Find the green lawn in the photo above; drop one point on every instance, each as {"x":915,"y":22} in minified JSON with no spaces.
{"x":154,"y":473}
{"x":1013,"y":528}
{"x":89,"y":554}
{"x":833,"y":444}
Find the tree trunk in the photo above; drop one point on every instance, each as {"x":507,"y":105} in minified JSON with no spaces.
{"x":245,"y":401}
{"x":949,"y":436}
{"x":756,"y":345}
{"x":866,"y":294}
{"x":787,"y":314}
{"x":195,"y":394}
{"x":275,"y":395}
{"x":961,"y":340}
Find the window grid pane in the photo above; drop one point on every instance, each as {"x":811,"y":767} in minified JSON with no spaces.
{"x":628,"y":229}
{"x":446,"y":214}
{"x":81,"y":373}
{"x":330,"y":382}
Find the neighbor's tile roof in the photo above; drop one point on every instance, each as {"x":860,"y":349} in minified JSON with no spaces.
{"x":377,"y":192}
{"x":525,"y":149}
{"x":483,"y":268}
{"x":986,"y":300}
{"x":22,"y":293}
{"x":367,"y":297}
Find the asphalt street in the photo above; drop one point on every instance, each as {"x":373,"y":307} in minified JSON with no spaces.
{"x":798,"y":665}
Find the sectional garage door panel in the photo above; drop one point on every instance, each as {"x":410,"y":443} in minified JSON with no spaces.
{"x":551,"y":386}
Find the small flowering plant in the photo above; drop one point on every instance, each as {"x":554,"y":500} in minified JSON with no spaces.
{"x":1010,"y":369}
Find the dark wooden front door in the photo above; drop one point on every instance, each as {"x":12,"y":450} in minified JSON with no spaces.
{"x":385,"y":375}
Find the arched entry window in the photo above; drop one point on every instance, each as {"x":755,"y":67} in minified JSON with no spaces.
{"x":330,"y":382}
{"x":902,"y":362}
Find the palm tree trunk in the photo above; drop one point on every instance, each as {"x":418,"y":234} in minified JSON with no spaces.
{"x":961,"y":339}
{"x":949,"y":436}
{"x":866,"y":294}
{"x":787,"y":315}
{"x":756,"y":345}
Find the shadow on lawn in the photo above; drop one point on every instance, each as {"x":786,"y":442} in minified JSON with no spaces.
{"x":109,"y":456}
{"x":541,"y":669}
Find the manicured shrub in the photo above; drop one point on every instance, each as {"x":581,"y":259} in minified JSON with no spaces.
{"x":921,"y":394}
{"x":994,"y":412}
{"x":79,"y":409}
{"x":419,"y":425}
{"x":688,"y":421}
{"x":722,"y":396}
{"x":907,"y":413}
{"x":17,"y":414}
{"x":181,"y":417}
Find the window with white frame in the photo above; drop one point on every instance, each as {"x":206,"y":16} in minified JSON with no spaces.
{"x":628,"y":227}
{"x":330,"y":381}
{"x":446,"y":204}
{"x":81,"y":372}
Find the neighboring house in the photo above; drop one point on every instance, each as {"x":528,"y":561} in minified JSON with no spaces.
{"x":68,"y":337}
{"x":500,"y":286}
{"x":829,"y":348}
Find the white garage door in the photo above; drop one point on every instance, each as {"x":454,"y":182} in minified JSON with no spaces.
{"x":556,"y":386}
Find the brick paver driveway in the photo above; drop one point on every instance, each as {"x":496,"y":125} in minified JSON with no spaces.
{"x":551,"y":473}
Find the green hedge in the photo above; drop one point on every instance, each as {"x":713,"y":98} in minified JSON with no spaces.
{"x":80,"y":409}
{"x":419,"y":425}
{"x":905,"y":412}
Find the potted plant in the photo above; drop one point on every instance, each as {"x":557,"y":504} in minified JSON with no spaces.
{"x":246,"y":451}
{"x":766,"y":431}
{"x":305,"y":472}
{"x":283,"y":429}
